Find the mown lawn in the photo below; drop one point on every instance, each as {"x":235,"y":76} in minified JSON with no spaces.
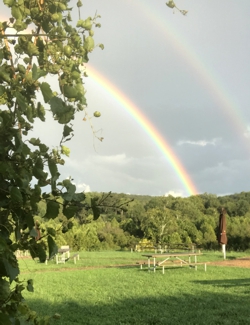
{"x":129,"y":295}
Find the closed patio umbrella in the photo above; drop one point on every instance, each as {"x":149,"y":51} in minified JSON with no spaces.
{"x":222,"y":231}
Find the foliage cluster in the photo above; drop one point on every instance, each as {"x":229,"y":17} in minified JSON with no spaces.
{"x":165,"y":221}
{"x":37,"y":41}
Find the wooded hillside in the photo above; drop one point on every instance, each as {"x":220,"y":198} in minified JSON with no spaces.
{"x":163,"y":220}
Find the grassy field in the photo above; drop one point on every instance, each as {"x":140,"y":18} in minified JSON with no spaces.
{"x":99,"y":290}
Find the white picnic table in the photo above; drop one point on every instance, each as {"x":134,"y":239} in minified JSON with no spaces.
{"x":63,"y":254}
{"x":183,"y":258}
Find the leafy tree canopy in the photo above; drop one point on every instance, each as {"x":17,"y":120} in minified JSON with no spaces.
{"x":44,"y":44}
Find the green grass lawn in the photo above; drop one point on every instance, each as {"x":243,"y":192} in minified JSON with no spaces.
{"x":129,"y":295}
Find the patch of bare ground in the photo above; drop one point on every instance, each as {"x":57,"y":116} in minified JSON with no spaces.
{"x":239,"y":262}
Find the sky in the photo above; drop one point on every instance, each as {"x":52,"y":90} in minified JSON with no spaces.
{"x":173,"y":92}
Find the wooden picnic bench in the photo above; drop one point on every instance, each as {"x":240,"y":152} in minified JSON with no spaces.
{"x":174,"y":259}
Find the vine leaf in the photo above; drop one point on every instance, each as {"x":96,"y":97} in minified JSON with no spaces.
{"x":11,"y":271}
{"x":30,"y":287}
{"x":70,"y":211}
{"x":95,"y":209}
{"x":46,"y":91}
{"x":4,"y":319}
{"x":52,"y":210}
{"x":53,"y":250}
{"x":37,"y":73}
{"x":54,"y":173}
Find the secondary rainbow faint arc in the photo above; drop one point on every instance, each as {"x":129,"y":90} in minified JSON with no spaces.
{"x":204,"y":73}
{"x":148,"y":127}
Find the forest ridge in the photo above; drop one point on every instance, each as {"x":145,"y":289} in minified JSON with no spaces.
{"x":163,"y":220}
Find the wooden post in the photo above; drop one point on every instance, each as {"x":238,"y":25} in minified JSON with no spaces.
{"x":224,"y":250}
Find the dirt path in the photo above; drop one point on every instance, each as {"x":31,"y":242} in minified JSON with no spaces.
{"x":239,"y":262}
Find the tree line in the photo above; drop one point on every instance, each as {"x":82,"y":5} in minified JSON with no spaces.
{"x":124,"y":220}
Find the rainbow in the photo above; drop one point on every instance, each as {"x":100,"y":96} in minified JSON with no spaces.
{"x":148,"y":127}
{"x":204,"y":73}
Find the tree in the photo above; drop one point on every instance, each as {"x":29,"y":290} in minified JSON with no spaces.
{"x":159,"y":224}
{"x":49,"y":47}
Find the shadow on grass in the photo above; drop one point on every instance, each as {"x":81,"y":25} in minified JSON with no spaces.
{"x":227,"y":283}
{"x":205,"y":308}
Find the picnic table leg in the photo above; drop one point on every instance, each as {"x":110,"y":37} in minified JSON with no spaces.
{"x":154,"y":264}
{"x":148,"y":263}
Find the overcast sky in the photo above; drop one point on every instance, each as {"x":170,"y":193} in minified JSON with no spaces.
{"x":189,"y":76}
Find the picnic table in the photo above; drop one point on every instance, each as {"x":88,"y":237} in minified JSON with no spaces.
{"x":63,"y":254}
{"x":182,"y":259}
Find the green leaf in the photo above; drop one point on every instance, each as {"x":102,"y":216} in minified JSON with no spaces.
{"x":34,"y":141}
{"x":37,"y":192}
{"x":68,"y":196}
{"x":65,"y":151}
{"x":33,"y":233}
{"x":66,"y":183}
{"x":46,"y":91}
{"x":4,"y":75}
{"x":29,"y":114}
{"x":29,"y":220}
{"x":86,"y":24}
{"x":37,"y":72}
{"x":40,"y":111}
{"x":52,"y":167}
{"x":39,"y":174}
{"x":43,"y":148}
{"x":89,"y":44}
{"x":18,"y":143}
{"x":2,"y":90}
{"x":17,"y":233}
{"x":52,"y":210}
{"x":22,"y":101}
{"x":23,"y":309}
{"x":5,"y":319}
{"x":70,"y":211}
{"x":54,"y":173}
{"x":30,"y":287}
{"x":56,"y":105}
{"x":79,"y":197}
{"x":23,"y":178}
{"x":11,"y":270}
{"x":95,"y":209}
{"x":32,"y":49}
{"x":5,"y":290}
{"x":67,"y":130}
{"x":64,"y":113}
{"x":9,"y":3}
{"x":35,"y":197}
{"x":53,"y":250}
{"x":16,"y":12}
{"x":16,"y":196}
{"x":37,"y":250}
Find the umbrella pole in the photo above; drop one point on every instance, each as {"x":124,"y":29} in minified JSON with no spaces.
{"x":224,"y":250}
